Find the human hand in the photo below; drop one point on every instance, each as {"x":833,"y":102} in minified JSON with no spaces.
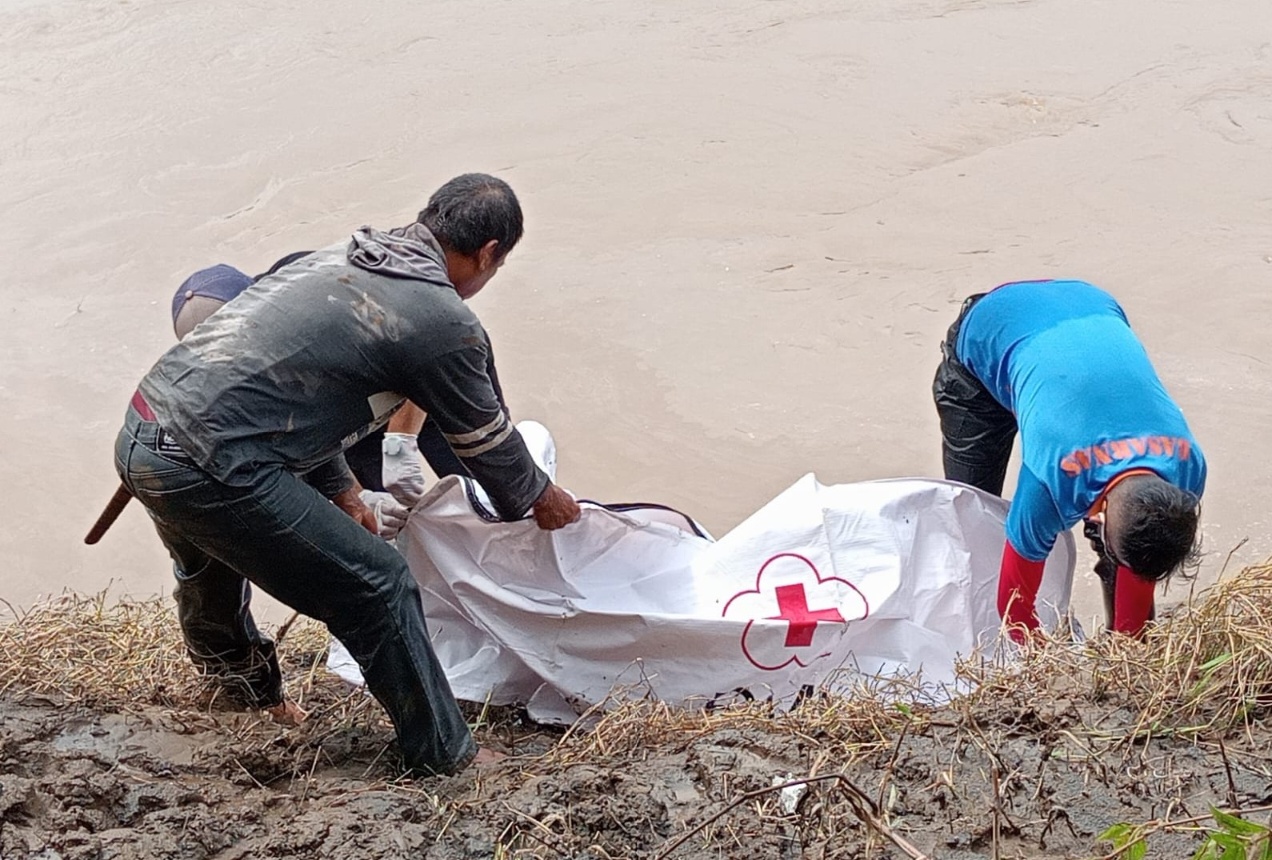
{"x":555,"y":509}
{"x":390,"y":516}
{"x":287,"y":713}
{"x":351,"y":503}
{"x":402,"y":467}
{"x":487,"y":756}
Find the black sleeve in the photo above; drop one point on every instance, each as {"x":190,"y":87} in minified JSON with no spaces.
{"x":437,"y":451}
{"x":285,"y":261}
{"x":366,"y":460}
{"x":330,"y":478}
{"x":456,"y":391}
{"x":494,"y":377}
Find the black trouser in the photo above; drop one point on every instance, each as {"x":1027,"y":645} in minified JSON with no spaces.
{"x":1105,"y":569}
{"x":278,"y":533}
{"x":977,"y":433}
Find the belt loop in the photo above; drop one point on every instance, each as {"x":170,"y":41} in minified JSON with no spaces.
{"x":949,"y":346}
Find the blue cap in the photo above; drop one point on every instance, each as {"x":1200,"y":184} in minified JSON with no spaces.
{"x":219,"y":283}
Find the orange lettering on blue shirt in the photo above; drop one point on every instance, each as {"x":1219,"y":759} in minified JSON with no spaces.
{"x":1080,"y":460}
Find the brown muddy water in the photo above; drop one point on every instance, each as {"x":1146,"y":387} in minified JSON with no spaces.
{"x":748,"y":224}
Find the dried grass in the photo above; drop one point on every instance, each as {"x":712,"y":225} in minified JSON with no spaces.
{"x":1205,"y":669}
{"x":84,"y":650}
{"x":89,"y":653}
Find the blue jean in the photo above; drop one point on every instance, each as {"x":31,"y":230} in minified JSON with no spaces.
{"x":282,"y":536}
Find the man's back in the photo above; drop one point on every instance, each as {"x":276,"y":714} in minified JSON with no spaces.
{"x":306,"y":361}
{"x":1061,"y":356}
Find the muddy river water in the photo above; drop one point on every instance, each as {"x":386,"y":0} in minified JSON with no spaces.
{"x":748,"y":224}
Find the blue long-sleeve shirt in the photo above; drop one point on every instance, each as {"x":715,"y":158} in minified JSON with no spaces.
{"x":1061,"y":356}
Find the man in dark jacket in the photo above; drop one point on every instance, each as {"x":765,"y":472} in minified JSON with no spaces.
{"x":387,"y":459}
{"x":275,"y":385}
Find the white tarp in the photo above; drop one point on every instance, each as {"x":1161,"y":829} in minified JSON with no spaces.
{"x":820,"y":584}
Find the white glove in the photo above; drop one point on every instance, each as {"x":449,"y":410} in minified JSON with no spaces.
{"x":402,"y":468}
{"x":390,"y":516}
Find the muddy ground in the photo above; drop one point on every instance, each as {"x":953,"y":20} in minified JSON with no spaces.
{"x":1014,"y":772}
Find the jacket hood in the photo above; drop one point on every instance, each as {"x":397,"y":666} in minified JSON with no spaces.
{"x":404,"y":252}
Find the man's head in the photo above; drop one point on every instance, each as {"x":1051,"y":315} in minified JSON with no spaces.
{"x":203,"y":293}
{"x":1150,"y":526}
{"x":477,"y":220}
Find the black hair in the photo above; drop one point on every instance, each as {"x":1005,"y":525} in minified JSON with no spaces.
{"x":1157,"y":528}
{"x":470,"y":210}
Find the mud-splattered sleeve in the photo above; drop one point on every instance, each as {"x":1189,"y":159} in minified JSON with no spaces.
{"x":494,"y":377}
{"x":456,"y":390}
{"x":331,"y":478}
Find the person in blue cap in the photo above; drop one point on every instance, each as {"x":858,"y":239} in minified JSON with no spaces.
{"x":203,"y":293}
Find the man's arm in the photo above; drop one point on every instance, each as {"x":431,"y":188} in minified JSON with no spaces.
{"x":335,"y":480}
{"x":332,"y":477}
{"x":1132,"y":602}
{"x":408,"y":420}
{"x":433,"y":446}
{"x":1018,"y":583}
{"x":456,"y":391}
{"x":1033,"y":523}
{"x":494,"y":376}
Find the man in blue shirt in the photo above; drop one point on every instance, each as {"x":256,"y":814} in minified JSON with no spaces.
{"x":1101,"y":440}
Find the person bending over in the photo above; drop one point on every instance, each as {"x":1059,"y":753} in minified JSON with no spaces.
{"x":1101,"y":441}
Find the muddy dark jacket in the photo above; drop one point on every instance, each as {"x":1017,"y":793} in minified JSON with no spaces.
{"x":313,"y":357}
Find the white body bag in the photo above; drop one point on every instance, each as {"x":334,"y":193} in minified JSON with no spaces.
{"x":820,"y":587}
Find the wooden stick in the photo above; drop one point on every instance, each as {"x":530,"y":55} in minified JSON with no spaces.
{"x":284,"y":627}
{"x":871,"y":816}
{"x":111,"y":513}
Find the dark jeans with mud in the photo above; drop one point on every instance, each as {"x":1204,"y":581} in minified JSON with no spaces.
{"x":282,"y":536}
{"x":977,"y":434}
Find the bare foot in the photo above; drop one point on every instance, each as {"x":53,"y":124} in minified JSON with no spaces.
{"x":486,"y":756}
{"x":287,"y":713}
